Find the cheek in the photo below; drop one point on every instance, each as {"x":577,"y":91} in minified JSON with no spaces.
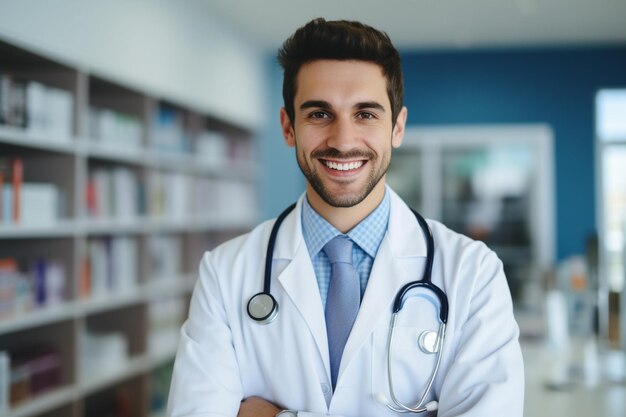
{"x":310,"y":138}
{"x":378,"y":139}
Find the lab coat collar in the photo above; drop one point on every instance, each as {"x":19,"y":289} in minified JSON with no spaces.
{"x":290,"y":236}
{"x":298,"y":279}
{"x":404,"y":233}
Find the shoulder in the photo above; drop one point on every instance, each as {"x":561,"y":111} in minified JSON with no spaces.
{"x":468,"y":266}
{"x":448,"y":244}
{"x":461,"y":249}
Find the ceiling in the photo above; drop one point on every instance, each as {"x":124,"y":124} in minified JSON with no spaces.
{"x":438,"y":24}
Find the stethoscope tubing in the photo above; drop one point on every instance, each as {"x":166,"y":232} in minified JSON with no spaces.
{"x":419,"y":407}
{"x":270,"y":248}
{"x":263,"y":308}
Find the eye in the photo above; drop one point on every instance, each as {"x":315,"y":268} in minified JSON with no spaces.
{"x":365,"y":115}
{"x":319,"y":115}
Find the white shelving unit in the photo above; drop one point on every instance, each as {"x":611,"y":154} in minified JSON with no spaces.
{"x":218,"y":201}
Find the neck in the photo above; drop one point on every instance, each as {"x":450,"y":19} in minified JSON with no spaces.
{"x":345,"y":218}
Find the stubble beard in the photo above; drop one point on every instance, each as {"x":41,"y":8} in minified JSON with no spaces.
{"x":343,"y":200}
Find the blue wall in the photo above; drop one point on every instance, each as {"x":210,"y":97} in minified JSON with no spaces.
{"x":281,"y":180}
{"x":553,"y":86}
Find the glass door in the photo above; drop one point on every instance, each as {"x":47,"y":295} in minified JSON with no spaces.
{"x":491,"y":183}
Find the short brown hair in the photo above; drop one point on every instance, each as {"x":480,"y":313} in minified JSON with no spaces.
{"x":341,"y":40}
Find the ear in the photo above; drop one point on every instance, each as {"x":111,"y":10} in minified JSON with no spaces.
{"x":398,"y":130}
{"x":287,"y":128}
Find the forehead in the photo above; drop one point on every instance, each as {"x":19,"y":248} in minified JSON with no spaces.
{"x":334,"y":80}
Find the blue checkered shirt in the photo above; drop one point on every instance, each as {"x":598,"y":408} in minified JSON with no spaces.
{"x":367,"y":236}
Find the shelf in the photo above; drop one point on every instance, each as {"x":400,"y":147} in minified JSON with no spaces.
{"x":143,"y":225}
{"x":162,"y":288}
{"x":187,"y":163}
{"x":62,"y":229}
{"x":132,"y":367}
{"x":81,"y":308}
{"x":139,"y":225}
{"x":43,"y":402}
{"x":95,"y":150}
{"x":141,"y":293}
{"x":37,"y":317}
{"x":156,"y":359}
{"x":115,"y":227}
{"x":41,"y":141}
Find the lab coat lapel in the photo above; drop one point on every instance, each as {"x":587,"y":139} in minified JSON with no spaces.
{"x":298,"y":278}
{"x":404,"y":241}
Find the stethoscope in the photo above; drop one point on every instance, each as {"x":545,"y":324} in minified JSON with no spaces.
{"x":263,"y":308}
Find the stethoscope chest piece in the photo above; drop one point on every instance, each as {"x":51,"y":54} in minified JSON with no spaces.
{"x":263,"y":308}
{"x":427,"y":341}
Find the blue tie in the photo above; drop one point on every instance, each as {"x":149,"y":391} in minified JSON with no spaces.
{"x":343,"y":300}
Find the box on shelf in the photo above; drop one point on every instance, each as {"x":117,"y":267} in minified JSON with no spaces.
{"x":34,"y":371}
{"x":224,"y":199}
{"x":49,"y":282}
{"x":11,"y":178}
{"x":113,"y":193}
{"x":165,"y":316}
{"x":102,"y":353}
{"x":165,"y":257}
{"x":35,"y":107}
{"x":27,"y":203}
{"x":112,"y":267}
{"x":115,"y":129}
{"x":169,"y":195}
{"x":212,"y":148}
{"x":29,"y":285}
{"x":169,"y":132}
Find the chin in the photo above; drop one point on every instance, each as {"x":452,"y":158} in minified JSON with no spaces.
{"x":342,"y":199}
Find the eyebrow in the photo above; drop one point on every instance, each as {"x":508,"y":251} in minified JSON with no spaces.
{"x":321,"y":104}
{"x":370,"y":105}
{"x":315,"y":103}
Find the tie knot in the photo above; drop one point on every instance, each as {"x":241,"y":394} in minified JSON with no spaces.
{"x":339,"y":249}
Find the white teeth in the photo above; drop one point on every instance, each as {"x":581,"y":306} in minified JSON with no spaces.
{"x":343,"y":167}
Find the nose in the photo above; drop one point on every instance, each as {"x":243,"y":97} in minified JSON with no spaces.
{"x":342,"y":135}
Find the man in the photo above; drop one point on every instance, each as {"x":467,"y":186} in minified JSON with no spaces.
{"x":325,"y":353}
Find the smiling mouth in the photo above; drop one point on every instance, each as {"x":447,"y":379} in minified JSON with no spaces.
{"x":343,"y":166}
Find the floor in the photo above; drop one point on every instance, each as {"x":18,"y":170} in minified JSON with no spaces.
{"x":575,"y":395}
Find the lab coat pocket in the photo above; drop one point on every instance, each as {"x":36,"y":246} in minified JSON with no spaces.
{"x":411,"y":366}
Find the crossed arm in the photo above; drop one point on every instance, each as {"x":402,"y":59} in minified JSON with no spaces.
{"x":257,"y":407}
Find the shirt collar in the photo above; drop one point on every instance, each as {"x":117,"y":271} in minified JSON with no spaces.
{"x":368,"y":234}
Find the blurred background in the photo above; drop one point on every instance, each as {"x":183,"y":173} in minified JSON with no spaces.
{"x":134,"y":135}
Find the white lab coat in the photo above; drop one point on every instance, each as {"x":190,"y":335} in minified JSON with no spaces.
{"x":224,"y":356}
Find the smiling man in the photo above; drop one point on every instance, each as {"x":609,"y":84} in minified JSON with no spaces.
{"x":343,"y":134}
{"x":317,"y":340}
